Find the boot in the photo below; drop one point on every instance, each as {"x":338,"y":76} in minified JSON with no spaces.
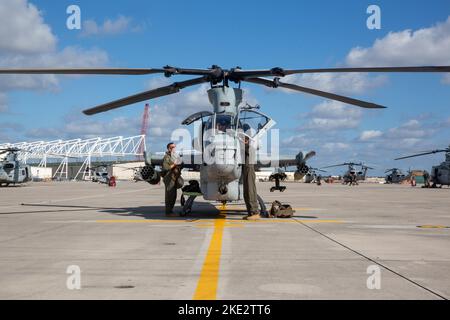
{"x":253,"y":217}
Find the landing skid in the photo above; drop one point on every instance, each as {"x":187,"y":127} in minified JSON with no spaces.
{"x":187,"y":206}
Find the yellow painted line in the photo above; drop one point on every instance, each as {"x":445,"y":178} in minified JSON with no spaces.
{"x":209,"y":276}
{"x":226,"y":226}
{"x":212,"y":223}
{"x":241,"y":208}
{"x":292,"y":221}
{"x":144,"y":221}
{"x":433,"y":227}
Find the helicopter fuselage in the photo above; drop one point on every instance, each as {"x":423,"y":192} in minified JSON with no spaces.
{"x":12,"y":171}
{"x":440,"y":175}
{"x":222,"y":134}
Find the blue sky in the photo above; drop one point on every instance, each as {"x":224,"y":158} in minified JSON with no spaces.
{"x":249,"y":34}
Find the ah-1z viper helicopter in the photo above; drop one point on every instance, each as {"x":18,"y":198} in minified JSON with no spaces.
{"x":12,"y":170}
{"x":221,"y":180}
{"x":440,"y":175}
{"x":352,"y":176}
{"x":396,"y":175}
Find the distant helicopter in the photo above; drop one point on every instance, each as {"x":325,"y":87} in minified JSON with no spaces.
{"x":221,"y":180}
{"x":312,"y":176}
{"x":440,"y":175}
{"x":12,"y":170}
{"x":352,"y":176}
{"x":100,"y":174}
{"x":396,"y":175}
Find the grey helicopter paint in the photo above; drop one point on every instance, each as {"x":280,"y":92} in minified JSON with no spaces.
{"x":396,"y":175}
{"x":353,"y":175}
{"x":440,"y":174}
{"x":312,"y":176}
{"x":100,"y":174}
{"x":218,"y":149}
{"x":220,"y":181}
{"x":12,"y":170}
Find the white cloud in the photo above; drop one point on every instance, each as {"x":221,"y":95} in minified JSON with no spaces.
{"x":3,"y":103}
{"x":370,"y":135}
{"x":23,"y":29}
{"x":109,"y":27}
{"x":158,"y":82}
{"x":333,"y":115}
{"x":409,"y":130}
{"x":296,"y":141}
{"x":445,"y":123}
{"x":427,"y":46}
{"x":27,"y":41}
{"x":341,"y":83}
{"x":85,"y":128}
{"x":406,"y":137}
{"x":69,"y":57}
{"x":336,"y":146}
{"x":446,"y":79}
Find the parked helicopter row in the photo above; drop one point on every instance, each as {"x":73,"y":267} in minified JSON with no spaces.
{"x":221,"y":181}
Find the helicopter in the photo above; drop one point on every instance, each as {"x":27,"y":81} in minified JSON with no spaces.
{"x":396,"y":175}
{"x":220,"y":180}
{"x":312,"y":176}
{"x":440,"y":175}
{"x":12,"y":170}
{"x":100,"y":174}
{"x":352,"y":176}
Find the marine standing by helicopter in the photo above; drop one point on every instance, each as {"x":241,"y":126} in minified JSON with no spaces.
{"x":171,"y":167}
{"x":249,"y":180}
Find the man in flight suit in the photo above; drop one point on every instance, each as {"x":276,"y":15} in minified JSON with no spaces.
{"x":171,"y":163}
{"x":249,"y":180}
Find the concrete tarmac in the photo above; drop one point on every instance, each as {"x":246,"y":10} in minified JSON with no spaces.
{"x":365,"y":242}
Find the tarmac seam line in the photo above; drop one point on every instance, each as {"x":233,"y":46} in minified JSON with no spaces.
{"x":372,"y":260}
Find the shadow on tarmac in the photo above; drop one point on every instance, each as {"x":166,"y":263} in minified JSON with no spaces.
{"x":201,"y":210}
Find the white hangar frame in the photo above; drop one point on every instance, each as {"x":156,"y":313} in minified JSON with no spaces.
{"x":82,"y":150}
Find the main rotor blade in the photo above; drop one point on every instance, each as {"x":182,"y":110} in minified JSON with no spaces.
{"x":309,"y":156}
{"x":422,"y":154}
{"x":328,"y":95}
{"x":81,"y":71}
{"x":335,"y":166}
{"x":279,"y":72}
{"x":147,"y":95}
{"x":168,"y":71}
{"x":373,"y":69}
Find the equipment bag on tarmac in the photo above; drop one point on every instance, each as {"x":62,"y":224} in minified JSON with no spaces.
{"x":279,"y":210}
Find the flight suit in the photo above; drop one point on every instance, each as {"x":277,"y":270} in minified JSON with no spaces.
{"x":170,"y":180}
{"x":249,"y":181}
